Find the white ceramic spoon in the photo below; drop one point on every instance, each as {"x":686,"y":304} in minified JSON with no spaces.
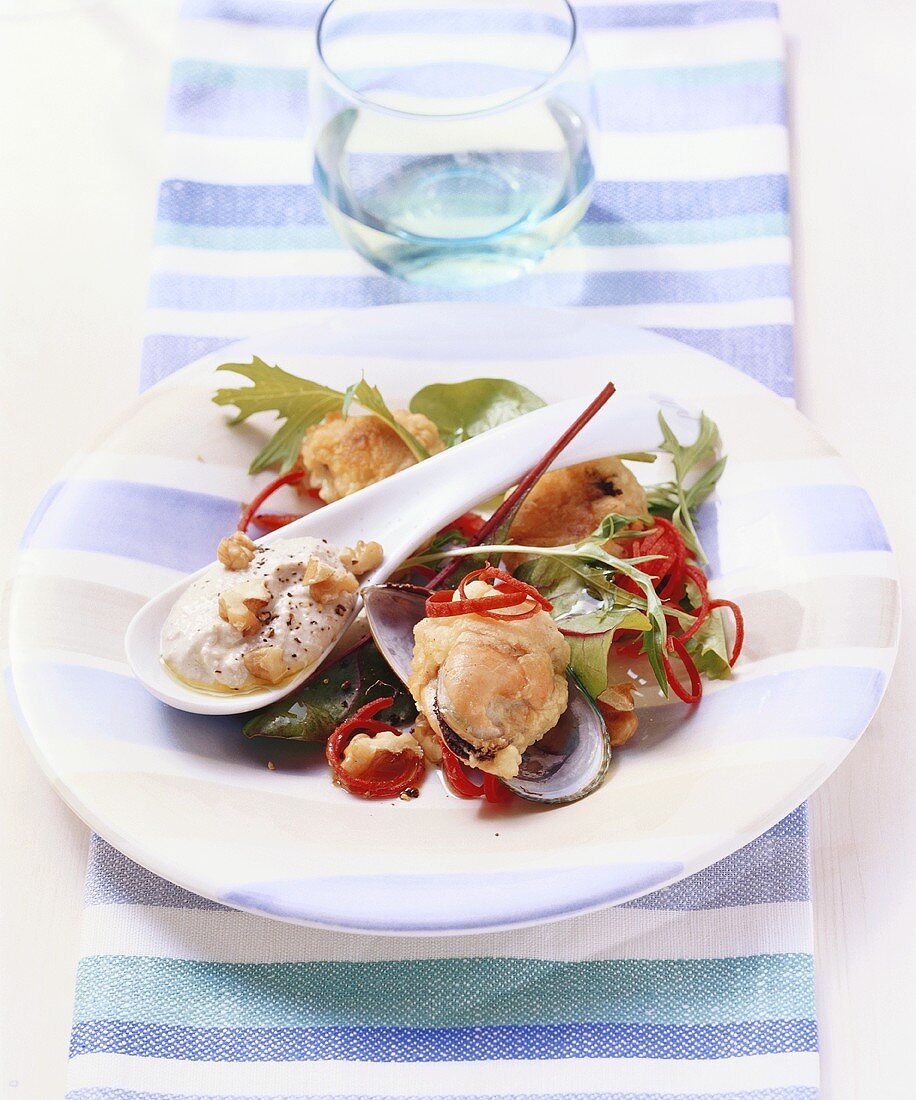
{"x":403,"y":512}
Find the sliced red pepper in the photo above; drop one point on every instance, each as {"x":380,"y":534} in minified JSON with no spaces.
{"x":367,"y":787}
{"x":500,"y":578}
{"x":457,"y":777}
{"x":695,"y":694}
{"x":702,"y":612}
{"x":494,"y":790}
{"x":251,"y":511}
{"x":441,"y":604}
{"x":665,"y":542}
{"x":739,"y":627}
{"x":510,"y":592}
{"x":273,"y":521}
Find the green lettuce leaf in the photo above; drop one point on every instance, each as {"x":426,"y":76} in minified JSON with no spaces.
{"x":588,"y":659}
{"x":461,"y":410}
{"x":709,"y":648}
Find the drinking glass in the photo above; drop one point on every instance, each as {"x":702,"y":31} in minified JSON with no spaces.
{"x":452,"y":137}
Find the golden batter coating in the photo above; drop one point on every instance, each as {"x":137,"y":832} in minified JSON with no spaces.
{"x":343,"y":455}
{"x":567,"y":505}
{"x":498,"y":685}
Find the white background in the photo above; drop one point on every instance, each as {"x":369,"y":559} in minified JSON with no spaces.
{"x":82,"y":92}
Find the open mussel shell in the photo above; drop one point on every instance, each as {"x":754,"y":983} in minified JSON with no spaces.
{"x":392,"y":611}
{"x":570,"y":760}
{"x":568,"y":763}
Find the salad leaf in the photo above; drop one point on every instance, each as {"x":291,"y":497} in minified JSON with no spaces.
{"x":298,"y":401}
{"x":676,"y":500}
{"x":461,"y":410}
{"x":371,"y":399}
{"x":588,"y":659}
{"x":709,"y":648}
{"x":314,"y":711}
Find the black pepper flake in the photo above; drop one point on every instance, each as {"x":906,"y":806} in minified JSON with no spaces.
{"x":409,"y":793}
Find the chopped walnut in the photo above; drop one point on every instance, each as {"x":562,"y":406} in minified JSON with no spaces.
{"x":619,"y":713}
{"x":239,"y":605}
{"x":267,"y":663}
{"x":618,"y":696}
{"x":317,"y":571}
{"x":325,"y":583}
{"x":236,"y":552}
{"x":362,"y":558}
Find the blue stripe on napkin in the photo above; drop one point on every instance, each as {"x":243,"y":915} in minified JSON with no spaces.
{"x":189,"y":202}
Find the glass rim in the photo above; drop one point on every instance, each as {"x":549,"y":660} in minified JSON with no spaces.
{"x":342,"y":87}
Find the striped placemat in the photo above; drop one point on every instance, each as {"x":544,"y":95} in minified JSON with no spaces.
{"x":703,"y":991}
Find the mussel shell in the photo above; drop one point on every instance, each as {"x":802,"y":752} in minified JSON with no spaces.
{"x":567,"y":764}
{"x":392,"y":611}
{"x":571,"y":760}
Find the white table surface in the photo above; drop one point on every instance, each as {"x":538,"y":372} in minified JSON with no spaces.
{"x":82,"y":90}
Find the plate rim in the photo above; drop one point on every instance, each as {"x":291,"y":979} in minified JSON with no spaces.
{"x":711,"y":852}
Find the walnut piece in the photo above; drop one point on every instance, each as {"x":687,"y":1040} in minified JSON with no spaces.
{"x":619,"y":696}
{"x":239,"y":605}
{"x":363,"y":557}
{"x":236,"y":552}
{"x":619,"y":713}
{"x":325,"y":583}
{"x":267,"y":663}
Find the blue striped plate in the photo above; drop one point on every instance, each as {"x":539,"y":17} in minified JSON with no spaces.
{"x":792,"y":535}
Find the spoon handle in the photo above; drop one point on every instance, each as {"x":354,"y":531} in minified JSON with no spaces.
{"x":404,"y":511}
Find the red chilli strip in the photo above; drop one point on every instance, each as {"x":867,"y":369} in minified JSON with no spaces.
{"x":664,"y":539}
{"x":510,"y":593}
{"x":702,"y":613}
{"x":441,"y":604}
{"x":273,"y":521}
{"x":363,"y":722}
{"x":509,"y":505}
{"x":457,"y":778}
{"x":675,"y":581}
{"x":696,"y":684}
{"x":499,"y":577}
{"x":251,"y":511}
{"x":739,"y":627}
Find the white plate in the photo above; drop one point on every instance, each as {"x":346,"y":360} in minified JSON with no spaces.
{"x":791,"y":534}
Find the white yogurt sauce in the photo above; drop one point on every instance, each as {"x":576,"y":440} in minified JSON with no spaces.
{"x":205,"y":651}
